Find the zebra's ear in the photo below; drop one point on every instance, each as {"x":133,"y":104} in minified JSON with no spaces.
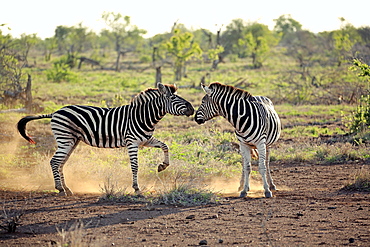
{"x":206,"y":89}
{"x":163,"y":89}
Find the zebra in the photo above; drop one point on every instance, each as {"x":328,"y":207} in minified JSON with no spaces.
{"x":128,"y":126}
{"x":256,"y":123}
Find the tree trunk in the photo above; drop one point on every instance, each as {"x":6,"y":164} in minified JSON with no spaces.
{"x":220,"y":58}
{"x":28,"y":104}
{"x":117,"y":61}
{"x":158,"y":75}
{"x":178,"y":73}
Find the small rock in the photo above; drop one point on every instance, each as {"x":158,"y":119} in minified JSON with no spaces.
{"x":203,"y":242}
{"x":143,"y":240}
{"x":332,"y":207}
{"x":215,"y":216}
{"x":220,"y":241}
{"x":299,"y":214}
{"x":360,"y":208}
{"x":190,"y":217}
{"x":351,"y":240}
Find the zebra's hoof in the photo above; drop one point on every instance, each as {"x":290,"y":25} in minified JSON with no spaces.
{"x":268,"y":194}
{"x":69,"y":192}
{"x":243,"y":194}
{"x":62,"y":193}
{"x":273,"y":187}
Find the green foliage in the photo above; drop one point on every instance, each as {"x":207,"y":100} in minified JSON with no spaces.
{"x":182,"y":47}
{"x":145,"y":59}
{"x":213,"y":53}
{"x":363,"y":67}
{"x":256,"y":43}
{"x":344,"y":40}
{"x":360,"y":119}
{"x":61,"y":72}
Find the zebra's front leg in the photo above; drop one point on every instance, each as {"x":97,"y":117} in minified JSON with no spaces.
{"x":269,"y":177}
{"x":153,"y":142}
{"x":246,"y":158}
{"x":262,"y":167}
{"x":132,"y":152}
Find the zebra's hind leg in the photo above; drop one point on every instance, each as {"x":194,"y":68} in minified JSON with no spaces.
{"x":262,"y":167}
{"x":132,"y":152}
{"x":57,"y":162}
{"x":246,"y":157}
{"x":153,"y":142}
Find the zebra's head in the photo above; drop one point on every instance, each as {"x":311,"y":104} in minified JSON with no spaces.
{"x":174,"y":104}
{"x":208,"y":109}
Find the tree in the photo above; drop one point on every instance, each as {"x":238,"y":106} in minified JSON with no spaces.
{"x":122,"y":31}
{"x":286,"y":26}
{"x":256,"y":43}
{"x":213,"y":49}
{"x":234,"y":31}
{"x":72,"y":41}
{"x":24,"y":44}
{"x":344,"y":39}
{"x":49,"y":44}
{"x":302,"y":45}
{"x":13,"y":82}
{"x":182,"y":47}
{"x":360,"y":119}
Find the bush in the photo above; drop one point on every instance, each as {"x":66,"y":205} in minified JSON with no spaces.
{"x":60,"y":72}
{"x":360,"y":119}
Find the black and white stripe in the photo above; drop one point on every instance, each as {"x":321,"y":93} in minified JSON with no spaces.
{"x":128,"y":126}
{"x":256,"y":123}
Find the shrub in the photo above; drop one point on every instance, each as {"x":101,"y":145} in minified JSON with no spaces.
{"x":360,"y":119}
{"x":61,"y":71}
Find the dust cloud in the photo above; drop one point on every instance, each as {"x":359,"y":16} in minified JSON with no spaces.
{"x":89,"y":170}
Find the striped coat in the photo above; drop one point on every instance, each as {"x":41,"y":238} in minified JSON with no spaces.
{"x":128,"y":126}
{"x":257,"y":126}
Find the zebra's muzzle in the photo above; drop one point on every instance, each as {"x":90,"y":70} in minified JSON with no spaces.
{"x":189,"y":111}
{"x":199,"y":120}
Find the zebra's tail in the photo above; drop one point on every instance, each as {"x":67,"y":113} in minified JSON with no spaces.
{"x":21,"y":126}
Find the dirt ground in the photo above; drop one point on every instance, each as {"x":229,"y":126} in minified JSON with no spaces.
{"x":310,"y":209}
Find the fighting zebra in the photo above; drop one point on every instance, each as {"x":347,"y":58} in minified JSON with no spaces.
{"x":128,"y":125}
{"x":256,"y":123}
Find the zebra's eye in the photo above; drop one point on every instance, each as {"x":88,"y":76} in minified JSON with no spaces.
{"x":205,"y":99}
{"x":172,"y":97}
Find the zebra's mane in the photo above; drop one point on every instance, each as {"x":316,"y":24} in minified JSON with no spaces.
{"x":240,"y":93}
{"x":150,"y":94}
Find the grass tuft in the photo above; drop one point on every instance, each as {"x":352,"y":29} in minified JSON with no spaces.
{"x":361,"y":181}
{"x":186,"y":195}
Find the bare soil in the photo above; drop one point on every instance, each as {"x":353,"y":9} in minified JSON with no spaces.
{"x":312,"y":210}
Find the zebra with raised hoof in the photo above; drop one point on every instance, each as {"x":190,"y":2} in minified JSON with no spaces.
{"x":128,"y":125}
{"x":256,"y":123}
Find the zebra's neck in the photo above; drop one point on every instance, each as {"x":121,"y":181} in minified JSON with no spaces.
{"x":234,"y":109}
{"x":149,"y":113}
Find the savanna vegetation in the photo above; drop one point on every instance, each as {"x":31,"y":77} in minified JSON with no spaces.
{"x":319,"y":83}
